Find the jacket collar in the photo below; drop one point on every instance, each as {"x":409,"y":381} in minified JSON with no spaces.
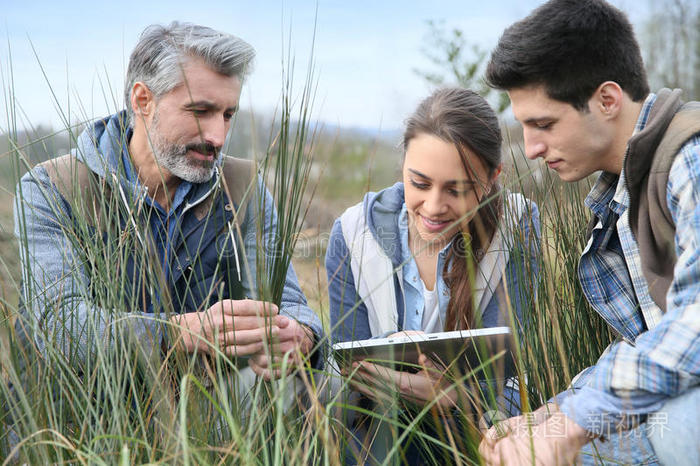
{"x":642,"y":146}
{"x":382,"y":211}
{"x":100,"y":147}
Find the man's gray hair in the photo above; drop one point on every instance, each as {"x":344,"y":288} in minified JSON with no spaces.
{"x":162,"y":51}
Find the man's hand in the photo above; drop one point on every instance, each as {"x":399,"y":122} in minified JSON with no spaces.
{"x":502,"y":428}
{"x":293,"y":338}
{"x":556,"y":441}
{"x":237,"y":328}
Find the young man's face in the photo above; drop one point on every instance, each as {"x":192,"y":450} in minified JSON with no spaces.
{"x":573,"y":143}
{"x":191,"y":122}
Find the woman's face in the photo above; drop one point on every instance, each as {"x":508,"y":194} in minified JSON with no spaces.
{"x":438,"y":191}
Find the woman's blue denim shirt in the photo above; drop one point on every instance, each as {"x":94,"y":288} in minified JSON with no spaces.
{"x":412,"y":285}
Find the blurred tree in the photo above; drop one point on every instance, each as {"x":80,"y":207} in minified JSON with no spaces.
{"x":670,"y":41}
{"x":458,"y":63}
{"x":696,"y":66}
{"x":671,"y":45}
{"x":32,"y":146}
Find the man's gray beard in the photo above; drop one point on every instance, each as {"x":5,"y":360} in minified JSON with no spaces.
{"x":173,"y":157}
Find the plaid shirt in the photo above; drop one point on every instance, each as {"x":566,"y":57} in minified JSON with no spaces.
{"x":657,"y":355}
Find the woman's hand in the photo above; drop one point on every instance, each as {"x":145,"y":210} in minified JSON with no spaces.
{"x":382,"y":383}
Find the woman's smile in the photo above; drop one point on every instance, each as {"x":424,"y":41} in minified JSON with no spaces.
{"x":435,"y":225}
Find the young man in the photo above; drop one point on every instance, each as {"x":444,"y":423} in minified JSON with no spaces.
{"x":147,"y":199}
{"x":575,"y":77}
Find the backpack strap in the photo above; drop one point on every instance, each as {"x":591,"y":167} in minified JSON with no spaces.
{"x":238,"y":177}
{"x":78,"y":185}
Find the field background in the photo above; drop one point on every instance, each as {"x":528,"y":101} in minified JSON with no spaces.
{"x":347,"y":162}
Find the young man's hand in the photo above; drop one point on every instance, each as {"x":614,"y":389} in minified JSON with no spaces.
{"x":500,"y":429}
{"x":555,"y":441}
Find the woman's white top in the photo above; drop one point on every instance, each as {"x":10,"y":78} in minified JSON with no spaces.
{"x":432,"y":322}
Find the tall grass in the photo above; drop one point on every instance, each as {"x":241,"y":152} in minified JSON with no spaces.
{"x":562,"y":333}
{"x":85,"y":377}
{"x":558,"y":336}
{"x":135,"y":401}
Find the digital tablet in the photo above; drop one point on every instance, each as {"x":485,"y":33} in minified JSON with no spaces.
{"x":465,"y":350}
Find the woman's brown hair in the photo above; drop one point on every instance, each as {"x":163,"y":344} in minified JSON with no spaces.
{"x":463,"y":118}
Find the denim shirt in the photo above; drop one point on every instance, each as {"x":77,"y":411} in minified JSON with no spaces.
{"x":162,"y":224}
{"x":412,"y":284}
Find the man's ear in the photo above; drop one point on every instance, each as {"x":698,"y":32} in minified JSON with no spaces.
{"x":142,"y":101}
{"x":608,"y":99}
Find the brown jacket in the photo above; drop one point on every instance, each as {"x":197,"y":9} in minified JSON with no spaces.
{"x":649,"y":157}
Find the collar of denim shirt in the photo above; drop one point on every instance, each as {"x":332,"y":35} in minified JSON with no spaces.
{"x":181,"y":193}
{"x":412,"y":285}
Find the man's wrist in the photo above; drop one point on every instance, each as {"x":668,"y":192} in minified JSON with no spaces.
{"x":310,"y":337}
{"x":314,"y":354}
{"x":575,"y":434}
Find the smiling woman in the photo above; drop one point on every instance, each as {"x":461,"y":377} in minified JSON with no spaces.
{"x":435,"y":200}
{"x":445,"y":250}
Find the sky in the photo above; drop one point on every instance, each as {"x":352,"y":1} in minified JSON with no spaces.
{"x":64,"y":58}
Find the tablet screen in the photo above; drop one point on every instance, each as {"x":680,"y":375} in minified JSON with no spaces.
{"x":463,"y":350}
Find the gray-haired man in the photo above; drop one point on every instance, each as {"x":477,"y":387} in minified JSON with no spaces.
{"x":153,"y":178}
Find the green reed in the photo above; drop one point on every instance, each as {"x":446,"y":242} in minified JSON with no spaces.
{"x":102,"y":388}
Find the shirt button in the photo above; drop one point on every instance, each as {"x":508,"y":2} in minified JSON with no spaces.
{"x":228,"y":207}
{"x":414,"y":279}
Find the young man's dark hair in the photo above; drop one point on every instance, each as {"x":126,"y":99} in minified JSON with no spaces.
{"x":595,"y":43}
